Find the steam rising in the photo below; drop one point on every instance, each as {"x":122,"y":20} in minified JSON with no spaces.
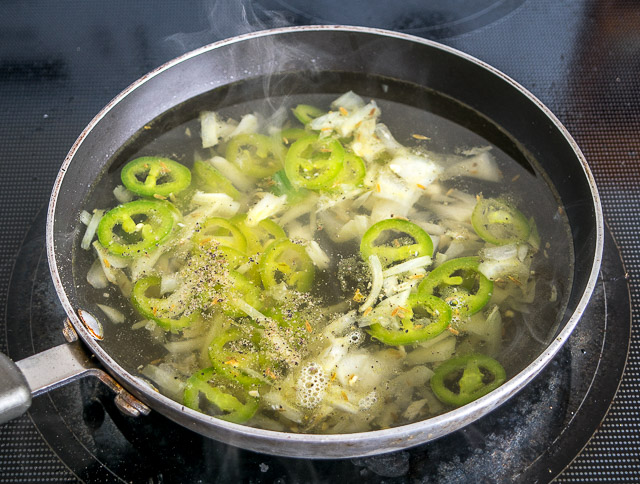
{"x":229,"y":18}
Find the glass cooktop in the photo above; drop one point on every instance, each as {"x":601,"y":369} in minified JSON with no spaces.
{"x":60,"y":63}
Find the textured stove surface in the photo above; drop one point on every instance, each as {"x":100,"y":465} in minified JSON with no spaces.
{"x":60,"y":62}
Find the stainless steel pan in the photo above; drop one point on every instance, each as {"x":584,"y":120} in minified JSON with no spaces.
{"x":306,"y":59}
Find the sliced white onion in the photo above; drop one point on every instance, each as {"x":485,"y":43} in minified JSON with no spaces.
{"x":92,"y":226}
{"x":85,"y":217}
{"x":113,"y":314}
{"x":212,"y":128}
{"x":382,"y":312}
{"x":501,"y":252}
{"x":113,"y":274}
{"x":317,"y":255}
{"x":250,"y":311}
{"x":441,"y":350}
{"x":267,"y":207}
{"x":232,"y":172}
{"x":282,"y":407}
{"x":248,"y":125}
{"x":122,"y":194}
{"x":389,"y":142}
{"x":143,"y":265}
{"x":338,"y":326}
{"x":349,"y":101}
{"x":356,"y":227}
{"x":299,"y":231}
{"x":140,"y":324}
{"x":96,"y":277}
{"x":221,"y":204}
{"x":184,"y":346}
{"x":298,"y":210}
{"x":482,"y":166}
{"x":407,"y":266}
{"x":415,"y":169}
{"x":167,"y":379}
{"x":460,"y":212}
{"x":376,"y":282}
{"x":391,"y":187}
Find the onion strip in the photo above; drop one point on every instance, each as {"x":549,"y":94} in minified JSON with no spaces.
{"x":376,"y":282}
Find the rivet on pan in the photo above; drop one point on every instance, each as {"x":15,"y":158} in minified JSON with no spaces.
{"x":69,"y":332}
{"x":125,"y":407}
{"x":92,"y":324}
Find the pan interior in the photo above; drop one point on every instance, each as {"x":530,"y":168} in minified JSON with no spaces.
{"x":450,"y":126}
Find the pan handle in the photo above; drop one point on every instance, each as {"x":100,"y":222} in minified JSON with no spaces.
{"x":50,"y":369}
{"x":15,"y":395}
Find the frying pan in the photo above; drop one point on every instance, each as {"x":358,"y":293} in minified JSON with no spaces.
{"x":297,"y":60}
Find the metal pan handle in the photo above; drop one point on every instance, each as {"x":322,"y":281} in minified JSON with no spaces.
{"x":15,"y":395}
{"x":27,"y":378}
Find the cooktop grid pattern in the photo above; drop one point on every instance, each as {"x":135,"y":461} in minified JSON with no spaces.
{"x":60,"y":64}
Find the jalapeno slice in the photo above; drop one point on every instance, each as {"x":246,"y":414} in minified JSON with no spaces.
{"x":425,"y":317}
{"x":395,"y":240}
{"x":136,"y":226}
{"x":499,"y":222}
{"x":259,"y":236}
{"x":213,"y":180}
{"x":240,"y":287}
{"x":313,"y":162}
{"x":220,"y":231}
{"x":306,"y":113}
{"x":255,"y":154}
{"x":170,"y":313}
{"x":460,"y":284}
{"x":284,"y":261}
{"x":353,"y":171}
{"x":152,"y":175}
{"x":234,"y":410}
{"x":466,"y":378}
{"x":233,"y":354}
{"x":291,"y":135}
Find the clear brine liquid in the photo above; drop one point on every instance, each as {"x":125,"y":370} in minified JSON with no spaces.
{"x":390,"y":384}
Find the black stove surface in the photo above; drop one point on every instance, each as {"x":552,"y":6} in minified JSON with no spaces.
{"x":61,"y":62}
{"x":530,"y":439}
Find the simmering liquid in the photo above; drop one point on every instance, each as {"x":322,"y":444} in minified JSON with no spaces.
{"x":298,"y":287}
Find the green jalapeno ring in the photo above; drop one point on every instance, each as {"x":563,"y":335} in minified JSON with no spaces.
{"x":422,"y":246}
{"x":255,"y":154}
{"x":291,"y":135}
{"x":314,"y":162}
{"x":232,"y":257}
{"x":156,"y":308}
{"x":136,"y":226}
{"x":455,"y":281}
{"x":218,"y":230}
{"x":236,"y":411}
{"x":240,"y":287}
{"x":466,"y":378}
{"x":259,"y":236}
{"x":284,"y":261}
{"x":499,"y":222}
{"x":233,"y":364}
{"x":353,"y":171}
{"x":409,"y":333}
{"x":306,"y":113}
{"x":153,"y":175}
{"x":213,"y":180}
